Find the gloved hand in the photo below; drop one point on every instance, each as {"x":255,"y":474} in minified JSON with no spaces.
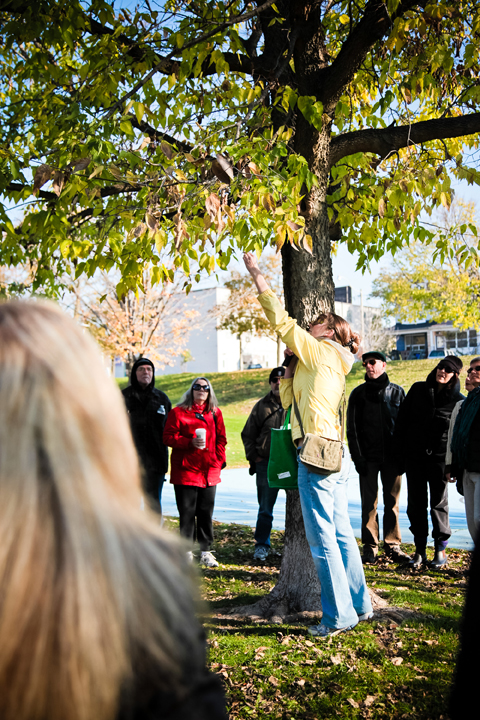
{"x":361,"y":466}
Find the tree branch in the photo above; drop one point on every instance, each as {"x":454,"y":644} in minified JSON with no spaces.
{"x":388,"y":140}
{"x":375,"y":23}
{"x":159,"y":67}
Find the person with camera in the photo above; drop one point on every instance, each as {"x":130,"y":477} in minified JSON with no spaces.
{"x":314,"y":383}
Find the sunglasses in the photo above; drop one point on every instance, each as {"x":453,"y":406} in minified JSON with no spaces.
{"x":276,"y":379}
{"x":372,"y":361}
{"x":475,"y":368}
{"x":197,"y":386}
{"x":447,"y":368}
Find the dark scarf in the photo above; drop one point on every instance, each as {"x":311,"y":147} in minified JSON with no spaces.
{"x":463,"y":424}
{"x":374,"y":386}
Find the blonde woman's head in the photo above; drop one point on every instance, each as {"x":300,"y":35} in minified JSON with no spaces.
{"x":82,"y":568}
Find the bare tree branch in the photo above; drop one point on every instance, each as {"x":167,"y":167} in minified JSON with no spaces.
{"x":388,"y":140}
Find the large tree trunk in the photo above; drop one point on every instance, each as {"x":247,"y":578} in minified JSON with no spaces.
{"x":309,"y":290}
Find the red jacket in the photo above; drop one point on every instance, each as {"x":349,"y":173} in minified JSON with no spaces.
{"x":189,"y":465}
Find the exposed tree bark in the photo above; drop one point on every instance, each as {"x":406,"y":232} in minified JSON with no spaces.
{"x":387,"y":140}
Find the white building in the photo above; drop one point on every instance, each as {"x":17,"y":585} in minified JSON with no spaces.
{"x":214,"y":350}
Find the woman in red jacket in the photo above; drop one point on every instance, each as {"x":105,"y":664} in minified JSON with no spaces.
{"x":197,"y":458}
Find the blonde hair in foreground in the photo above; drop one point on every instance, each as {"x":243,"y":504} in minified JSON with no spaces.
{"x":90,"y":589}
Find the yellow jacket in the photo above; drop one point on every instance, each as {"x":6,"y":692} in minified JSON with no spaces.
{"x":319,"y":377}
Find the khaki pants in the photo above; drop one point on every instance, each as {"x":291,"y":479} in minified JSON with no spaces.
{"x":391,"y":484}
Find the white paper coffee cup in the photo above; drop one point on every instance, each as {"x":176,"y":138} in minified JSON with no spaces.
{"x":202,"y":434}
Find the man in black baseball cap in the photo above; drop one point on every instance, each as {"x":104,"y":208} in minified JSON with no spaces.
{"x":266,"y":414}
{"x":372,"y":411}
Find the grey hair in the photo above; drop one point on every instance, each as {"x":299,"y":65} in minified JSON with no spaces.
{"x":186,"y":401}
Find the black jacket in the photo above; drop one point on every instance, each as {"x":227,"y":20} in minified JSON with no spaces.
{"x":266,"y":414}
{"x":148,"y":410}
{"x":421,"y":431}
{"x":381,"y":423}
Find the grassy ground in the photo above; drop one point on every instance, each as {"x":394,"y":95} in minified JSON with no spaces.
{"x":382,"y":669}
{"x":237,"y":392}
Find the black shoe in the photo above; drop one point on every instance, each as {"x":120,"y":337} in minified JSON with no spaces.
{"x":440,"y":559}
{"x":418,"y":560}
{"x":396,"y":553}
{"x":369,"y":556}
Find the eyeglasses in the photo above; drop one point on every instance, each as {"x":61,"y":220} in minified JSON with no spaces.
{"x":372,"y":361}
{"x":475,"y":368}
{"x":197,"y":386}
{"x":276,"y":379}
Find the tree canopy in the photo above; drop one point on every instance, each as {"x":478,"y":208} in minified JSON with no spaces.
{"x":201,"y":128}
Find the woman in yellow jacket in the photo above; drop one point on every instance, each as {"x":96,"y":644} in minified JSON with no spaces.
{"x":324,"y":355}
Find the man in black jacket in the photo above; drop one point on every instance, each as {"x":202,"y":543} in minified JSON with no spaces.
{"x":372,"y":411}
{"x":266,"y":414}
{"x":148,"y":408}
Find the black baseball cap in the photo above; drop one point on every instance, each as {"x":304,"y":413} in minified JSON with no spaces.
{"x":374,"y":354}
{"x":276,"y":372}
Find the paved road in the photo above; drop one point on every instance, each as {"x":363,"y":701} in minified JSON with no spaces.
{"x":236,"y":502}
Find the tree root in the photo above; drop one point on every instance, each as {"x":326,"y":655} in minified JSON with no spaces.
{"x":272,"y":611}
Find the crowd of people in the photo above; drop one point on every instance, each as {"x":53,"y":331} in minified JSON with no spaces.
{"x":99,"y":605}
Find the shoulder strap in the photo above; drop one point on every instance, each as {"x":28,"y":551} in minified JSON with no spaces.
{"x":341,"y":413}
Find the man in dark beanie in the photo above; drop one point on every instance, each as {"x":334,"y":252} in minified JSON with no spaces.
{"x":266,"y":414}
{"x":148,"y":408}
{"x":372,"y":411}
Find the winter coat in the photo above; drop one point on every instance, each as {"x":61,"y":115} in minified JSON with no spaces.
{"x":472,"y":463}
{"x":381,"y":422}
{"x":319,"y":379}
{"x":266,"y":414}
{"x":190,"y":465}
{"x":147,"y":411}
{"x":421,"y":431}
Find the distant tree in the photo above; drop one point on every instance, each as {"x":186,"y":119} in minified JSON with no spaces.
{"x":153,"y":322}
{"x":377,"y":336}
{"x":420,"y":286}
{"x":241,"y":313}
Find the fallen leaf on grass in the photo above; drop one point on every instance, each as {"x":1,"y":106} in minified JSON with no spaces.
{"x":301,"y":682}
{"x":308,"y":643}
{"x":397,"y":660}
{"x":335,"y":659}
{"x":353,"y":702}
{"x":369,"y":700}
{"x":260,"y":652}
{"x":273,"y":680}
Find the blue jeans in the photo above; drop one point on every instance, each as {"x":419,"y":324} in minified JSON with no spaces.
{"x":267,"y":498}
{"x":333,"y":546}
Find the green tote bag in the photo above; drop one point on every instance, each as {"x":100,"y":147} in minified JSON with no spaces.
{"x":282,"y":464}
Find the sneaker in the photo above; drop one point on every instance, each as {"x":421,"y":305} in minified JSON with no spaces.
{"x":323,"y":631}
{"x":190,"y":556}
{"x":261,"y":553}
{"x":207,"y":559}
{"x":369,"y":556}
{"x":396,"y":553}
{"x":365,"y":616}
